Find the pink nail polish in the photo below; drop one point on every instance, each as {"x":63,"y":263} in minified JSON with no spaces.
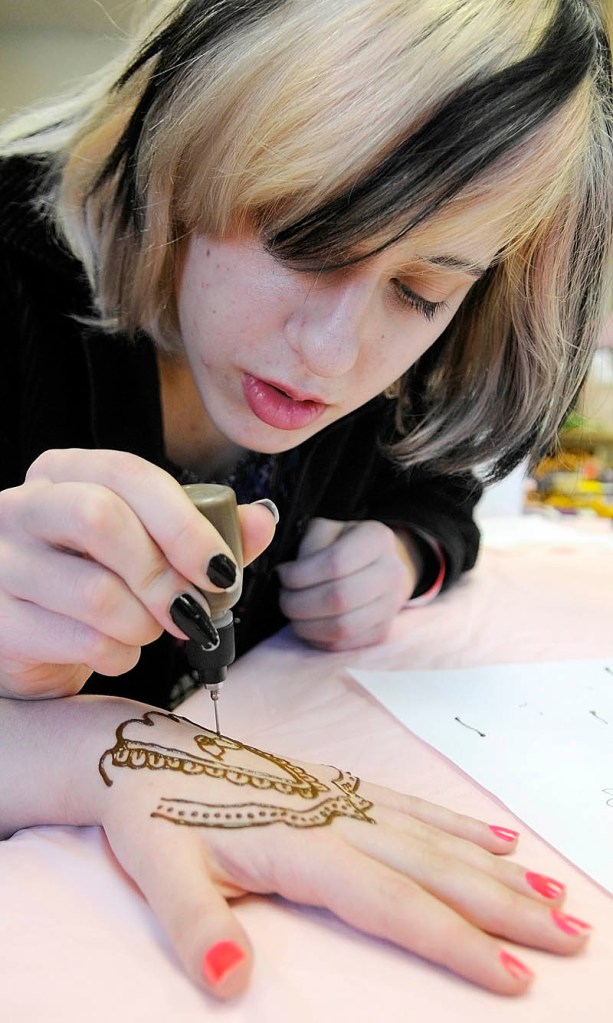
{"x":569,"y":924}
{"x":506,"y":833}
{"x":544,"y":885}
{"x":220,"y":959}
{"x":514,"y":966}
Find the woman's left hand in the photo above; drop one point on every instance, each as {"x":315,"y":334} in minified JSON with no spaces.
{"x":198,"y":819}
{"x":347,"y":584}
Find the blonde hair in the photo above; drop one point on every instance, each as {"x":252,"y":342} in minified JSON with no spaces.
{"x":336,"y":127}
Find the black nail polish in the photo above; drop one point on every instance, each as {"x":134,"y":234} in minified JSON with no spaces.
{"x":191,"y":617}
{"x":221,"y":571}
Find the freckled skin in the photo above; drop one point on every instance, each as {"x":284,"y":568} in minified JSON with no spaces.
{"x":341,"y":337}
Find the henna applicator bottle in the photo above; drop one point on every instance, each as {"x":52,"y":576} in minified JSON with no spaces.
{"x":210,"y":667}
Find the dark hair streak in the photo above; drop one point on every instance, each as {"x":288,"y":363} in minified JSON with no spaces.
{"x":462,"y":139}
{"x":181,"y":40}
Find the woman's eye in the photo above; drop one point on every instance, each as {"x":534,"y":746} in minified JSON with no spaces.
{"x":422,"y":305}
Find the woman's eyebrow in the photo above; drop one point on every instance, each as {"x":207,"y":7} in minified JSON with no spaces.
{"x":456,"y":263}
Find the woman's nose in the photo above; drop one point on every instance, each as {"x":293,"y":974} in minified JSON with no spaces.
{"x":328,"y":325}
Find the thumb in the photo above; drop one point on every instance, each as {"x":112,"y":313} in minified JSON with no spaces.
{"x":206,"y":936}
{"x":321,"y":533}
{"x":258,"y":525}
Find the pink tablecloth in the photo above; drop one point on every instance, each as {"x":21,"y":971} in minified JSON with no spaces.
{"x":77,"y":942}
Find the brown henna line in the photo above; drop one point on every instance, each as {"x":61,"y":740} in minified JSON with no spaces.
{"x":252,"y":815}
{"x":138,"y":755}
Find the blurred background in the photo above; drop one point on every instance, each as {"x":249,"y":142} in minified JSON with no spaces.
{"x":48,"y":45}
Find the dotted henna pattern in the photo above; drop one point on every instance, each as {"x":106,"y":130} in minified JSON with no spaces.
{"x":249,"y":815}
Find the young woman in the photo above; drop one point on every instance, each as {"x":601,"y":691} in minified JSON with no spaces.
{"x":337,"y":254}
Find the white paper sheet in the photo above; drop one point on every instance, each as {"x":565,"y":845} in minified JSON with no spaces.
{"x":538,"y":736}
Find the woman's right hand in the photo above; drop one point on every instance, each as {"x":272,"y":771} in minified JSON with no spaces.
{"x":95,"y":547}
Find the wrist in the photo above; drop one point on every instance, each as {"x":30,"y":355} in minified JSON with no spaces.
{"x":49,"y":756}
{"x":411,"y":556}
{"x":429,"y":563}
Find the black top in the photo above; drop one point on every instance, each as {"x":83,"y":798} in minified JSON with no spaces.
{"x":63,"y":384}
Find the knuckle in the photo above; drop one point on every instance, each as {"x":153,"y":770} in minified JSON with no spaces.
{"x":100,"y":595}
{"x":123,"y":465}
{"x":337,"y":599}
{"x":94,"y":512}
{"x":125,"y":462}
{"x":119,"y":465}
{"x":336,"y":563}
{"x":396,"y":890}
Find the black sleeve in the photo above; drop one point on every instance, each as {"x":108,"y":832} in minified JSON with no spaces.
{"x":439,"y":506}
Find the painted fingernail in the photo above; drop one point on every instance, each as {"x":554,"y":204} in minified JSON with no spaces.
{"x":506,"y":833}
{"x":514,"y":966}
{"x":569,"y":924}
{"x":272,"y":508}
{"x":220,"y":960}
{"x":221,"y":570}
{"x":191,"y":617}
{"x":544,"y":885}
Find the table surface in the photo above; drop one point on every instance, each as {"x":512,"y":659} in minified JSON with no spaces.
{"x":77,"y":941}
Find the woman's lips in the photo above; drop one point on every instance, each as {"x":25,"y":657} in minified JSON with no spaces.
{"x":277,"y":408}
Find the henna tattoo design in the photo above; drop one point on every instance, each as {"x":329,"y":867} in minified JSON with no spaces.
{"x":214,"y":759}
{"x":245,"y":815}
{"x":138,"y":754}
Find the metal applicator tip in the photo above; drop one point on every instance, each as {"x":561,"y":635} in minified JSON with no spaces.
{"x":215,"y":697}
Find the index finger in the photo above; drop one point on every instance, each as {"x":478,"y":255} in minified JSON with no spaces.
{"x":182,"y":533}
